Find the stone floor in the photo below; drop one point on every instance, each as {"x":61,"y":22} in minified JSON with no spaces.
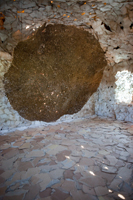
{"x":85,"y":159}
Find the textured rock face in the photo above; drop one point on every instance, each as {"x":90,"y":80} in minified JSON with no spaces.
{"x":54,"y":72}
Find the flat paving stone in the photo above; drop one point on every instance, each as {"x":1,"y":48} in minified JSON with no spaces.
{"x":56,"y":174}
{"x":2,"y":180}
{"x":67,"y":164}
{"x":5,"y":146}
{"x":80,"y":168}
{"x":108,"y":177}
{"x":76,"y":153}
{"x":124,"y":173}
{"x":111,"y":159}
{"x":69,"y":198}
{"x":127,"y":188}
{"x":16,"y":186}
{"x":68,"y":174}
{"x":86,"y":161}
{"x":62,"y":155}
{"x":46,"y":181}
{"x":2,"y":190}
{"x":45,"y":193}
{"x":93,"y":181}
{"x":88,"y":154}
{"x":1,"y":171}
{"x":68,"y":185}
{"x":77,"y":176}
{"x":16,"y":197}
{"x":8,"y":164}
{"x":16,"y":193}
{"x":58,"y":195}
{"x":30,"y":172}
{"x":46,"y":198}
{"x":115,"y":184}
{"x":7,"y":174}
{"x":33,"y":192}
{"x":11,"y":153}
{"x":88,"y":190}
{"x":79,"y":195}
{"x":24,"y":166}
{"x":100,"y":191}
{"x":25,"y":146}
{"x":109,"y":169}
{"x":104,"y":152}
{"x":54,"y":149}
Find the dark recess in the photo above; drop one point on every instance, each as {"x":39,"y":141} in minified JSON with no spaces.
{"x":117,"y":47}
{"x":106,"y":26}
{"x":131,"y":26}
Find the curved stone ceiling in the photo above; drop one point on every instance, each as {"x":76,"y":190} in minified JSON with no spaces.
{"x":54,"y":72}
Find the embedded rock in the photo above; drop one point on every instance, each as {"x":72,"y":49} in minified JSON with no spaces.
{"x":54,"y":72}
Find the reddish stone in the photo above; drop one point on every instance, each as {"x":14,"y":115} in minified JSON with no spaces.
{"x":59,"y":195}
{"x":17,"y":35}
{"x":5,"y":151}
{"x":33,"y":192}
{"x":68,"y":174}
{"x":107,"y":176}
{"x":13,"y":139}
{"x":1,"y":171}
{"x":68,"y":185}
{"x":16,"y":197}
{"x":40,"y":164}
{"x":9,"y":153}
{"x":77,"y":175}
{"x":24,"y":166}
{"x":18,"y":143}
{"x":61,"y":156}
{"x":93,"y":181}
{"x":36,"y":145}
{"x":39,"y":139}
{"x":26,"y":187}
{"x":2,"y":142}
{"x":45,"y":193}
{"x":4,"y":138}
{"x":2,"y":190}
{"x":52,"y":163}
{"x":86,"y":161}
{"x":36,"y":160}
{"x":2,"y":180}
{"x":79,"y":195}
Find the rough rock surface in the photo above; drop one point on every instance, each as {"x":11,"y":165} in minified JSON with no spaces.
{"x":54,"y":72}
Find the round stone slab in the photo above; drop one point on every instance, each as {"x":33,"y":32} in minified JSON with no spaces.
{"x":54,"y":72}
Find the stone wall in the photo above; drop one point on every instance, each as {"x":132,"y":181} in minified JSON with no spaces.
{"x":106,"y":102}
{"x":110,"y":21}
{"x":9,"y":118}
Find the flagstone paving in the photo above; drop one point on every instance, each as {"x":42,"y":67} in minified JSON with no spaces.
{"x":86,"y":159}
